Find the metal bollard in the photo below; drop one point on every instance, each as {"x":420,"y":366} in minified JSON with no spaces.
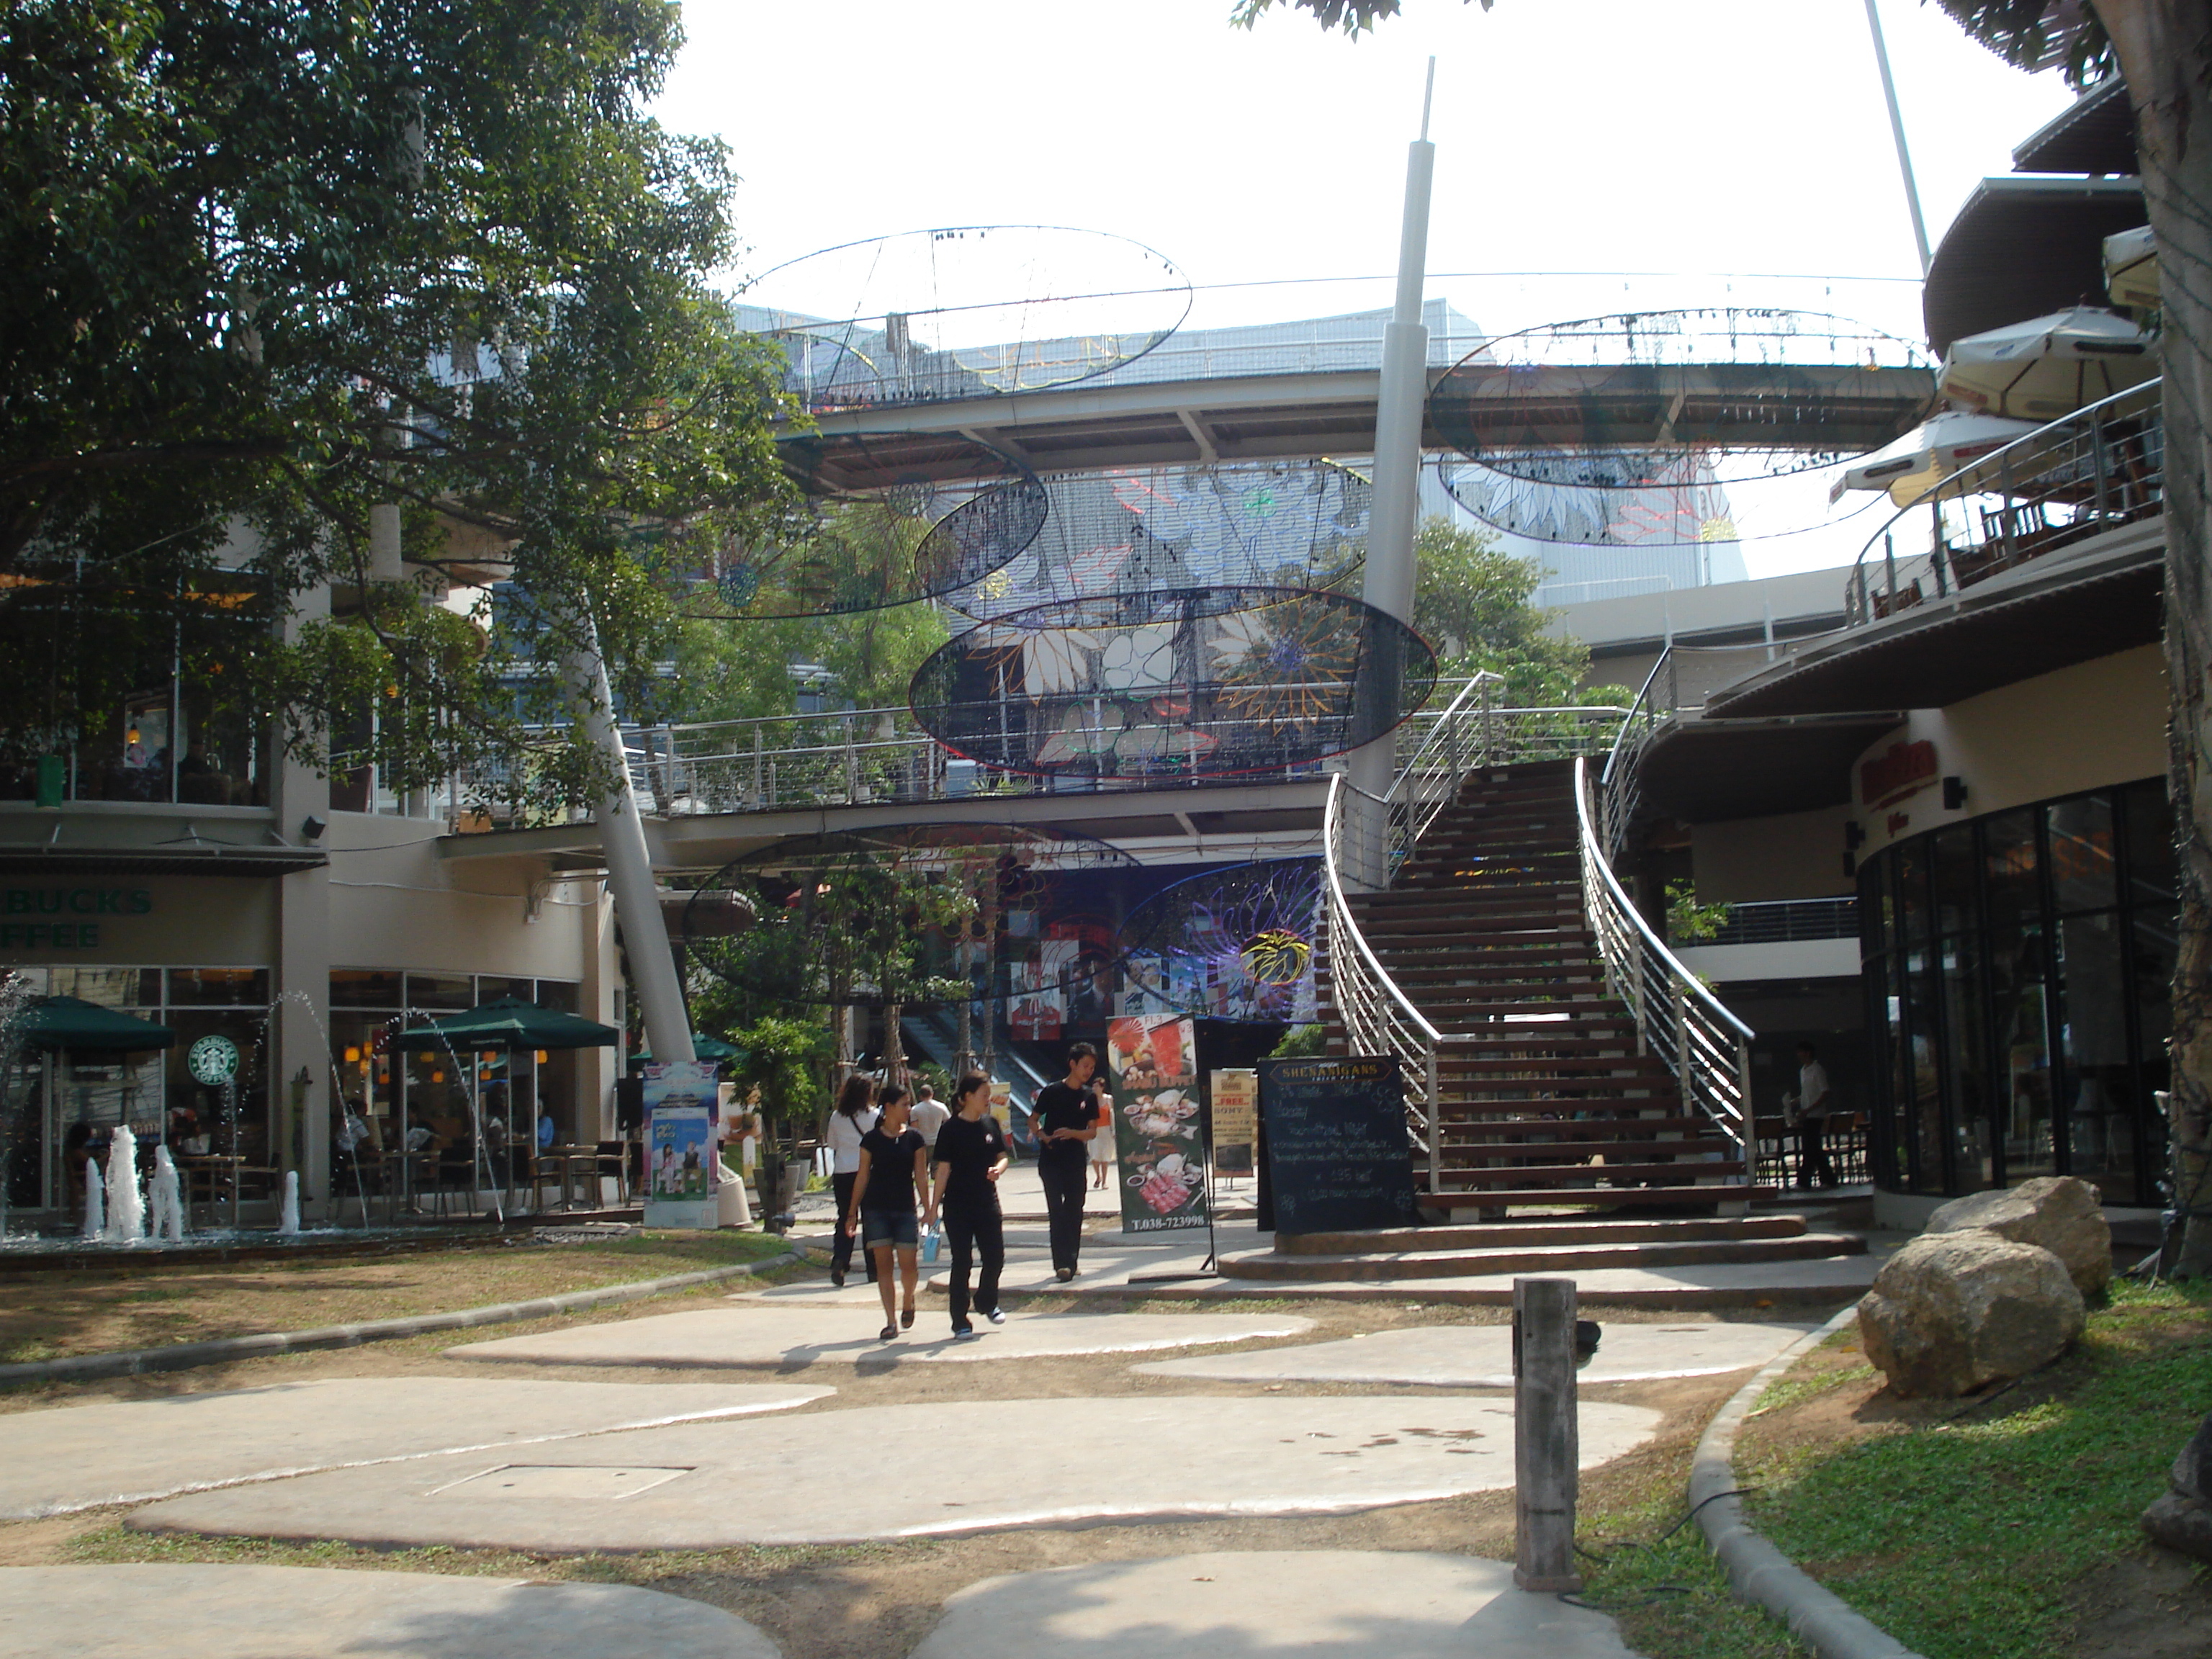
{"x":1547,"y":1439}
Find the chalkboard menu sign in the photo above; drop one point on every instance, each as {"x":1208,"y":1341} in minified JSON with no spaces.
{"x":1338,"y":1155}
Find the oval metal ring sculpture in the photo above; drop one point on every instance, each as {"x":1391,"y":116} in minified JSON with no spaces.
{"x":1773,"y":391}
{"x":1272,"y":524}
{"x":914,"y":914}
{"x":963,"y":312}
{"x":1178,"y":683}
{"x":869,"y":553}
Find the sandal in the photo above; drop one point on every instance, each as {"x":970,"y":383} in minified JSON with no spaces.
{"x":906,"y":1320}
{"x":890,"y":1332}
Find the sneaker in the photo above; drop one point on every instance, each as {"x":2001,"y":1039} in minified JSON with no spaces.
{"x":997,"y":1316}
{"x":1063,"y":1274}
{"x":963,"y":1334}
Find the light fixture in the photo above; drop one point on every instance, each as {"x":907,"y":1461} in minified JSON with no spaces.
{"x":541,"y":1056}
{"x":352,"y":1055}
{"x":311,"y":827}
{"x":437,"y":1077}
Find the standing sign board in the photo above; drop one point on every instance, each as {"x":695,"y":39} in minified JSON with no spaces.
{"x":1339,"y":1158}
{"x":1236,"y":1120}
{"x":680,"y":1144}
{"x":1152,"y":1067}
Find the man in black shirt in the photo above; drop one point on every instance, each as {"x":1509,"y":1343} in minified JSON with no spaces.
{"x":1066,"y":1117}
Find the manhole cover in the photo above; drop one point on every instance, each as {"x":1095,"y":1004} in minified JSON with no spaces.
{"x":573,"y":1482}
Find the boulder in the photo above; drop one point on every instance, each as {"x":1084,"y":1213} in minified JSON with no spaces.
{"x":1953,"y":1312}
{"x":2063,"y":1214}
{"x":2181,"y":1519}
{"x":2192,"y":1471}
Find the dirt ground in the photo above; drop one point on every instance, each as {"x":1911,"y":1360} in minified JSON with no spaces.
{"x":50,"y":1315}
{"x":875,"y":1601}
{"x":2149,"y":1604}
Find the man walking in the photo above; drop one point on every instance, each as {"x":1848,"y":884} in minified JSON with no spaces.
{"x":1066,"y":1118}
{"x":929,"y":1115}
{"x":1811,"y":1104}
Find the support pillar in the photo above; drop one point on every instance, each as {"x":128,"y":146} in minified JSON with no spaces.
{"x":299,"y":994}
{"x":1547,"y":1436}
{"x":630,"y":864}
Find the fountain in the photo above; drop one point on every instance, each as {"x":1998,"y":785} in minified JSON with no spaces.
{"x":126,"y":1208}
{"x":95,"y":1220}
{"x":165,"y":1205}
{"x":288,"y":1222}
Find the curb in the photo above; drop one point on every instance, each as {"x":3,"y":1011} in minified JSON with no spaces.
{"x":1758,"y":1572}
{"x":184,"y":1356}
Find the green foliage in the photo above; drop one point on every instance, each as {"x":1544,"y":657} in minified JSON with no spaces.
{"x":785,"y":1059}
{"x":278,"y":263}
{"x":1689,"y":922}
{"x":1301,"y":1043}
{"x":1471,"y":604}
{"x":1963,"y":1538}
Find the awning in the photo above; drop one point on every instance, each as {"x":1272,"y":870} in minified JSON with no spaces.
{"x":2096,"y":133}
{"x":2023,"y":247}
{"x":71,"y":1023}
{"x":511,"y":1022}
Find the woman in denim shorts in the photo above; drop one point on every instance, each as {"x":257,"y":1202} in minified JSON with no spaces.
{"x":891,"y":1173}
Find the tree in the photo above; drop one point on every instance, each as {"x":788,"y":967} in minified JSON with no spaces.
{"x":277,"y":265}
{"x":2163,"y":49}
{"x":1471,"y":604}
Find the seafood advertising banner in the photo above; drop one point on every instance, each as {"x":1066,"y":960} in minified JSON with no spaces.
{"x":680,"y":1101}
{"x":1153,"y":1067}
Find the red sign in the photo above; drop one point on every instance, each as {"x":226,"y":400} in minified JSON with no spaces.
{"x":1903,"y":769}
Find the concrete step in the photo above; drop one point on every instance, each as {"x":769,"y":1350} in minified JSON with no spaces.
{"x":1601,"y":1198}
{"x":1535,"y":1230}
{"x":1537,"y":1258}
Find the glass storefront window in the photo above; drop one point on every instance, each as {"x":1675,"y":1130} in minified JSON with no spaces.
{"x":2150,"y":844}
{"x":125,"y":988}
{"x":2093,"y":1040}
{"x":490,"y":987}
{"x":1966,"y":1057}
{"x":2013,"y":885}
{"x":1956,"y":868}
{"x":440,"y":991}
{"x":2082,"y":868}
{"x":2021,"y":1032}
{"x":219,"y":987}
{"x":563,"y":996}
{"x":1912,"y":893}
{"x":366,"y":988}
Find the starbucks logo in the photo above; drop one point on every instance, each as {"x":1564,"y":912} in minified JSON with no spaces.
{"x":212,"y":1061}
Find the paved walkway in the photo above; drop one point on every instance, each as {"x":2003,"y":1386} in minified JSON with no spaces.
{"x":193,"y":1612}
{"x":74,"y":1457}
{"x":791,"y":1338}
{"x":882,"y":1472}
{"x":1273,"y":1604}
{"x":1481,"y":1356}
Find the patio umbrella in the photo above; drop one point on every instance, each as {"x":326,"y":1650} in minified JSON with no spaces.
{"x":511,"y":1022}
{"x":2047,"y":367}
{"x":69,"y":1023}
{"x":1911,"y":465}
{"x":2131,"y":269}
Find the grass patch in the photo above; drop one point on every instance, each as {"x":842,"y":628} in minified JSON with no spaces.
{"x":1787,"y":1390}
{"x":1962,"y":1536}
{"x":1647,"y":1564}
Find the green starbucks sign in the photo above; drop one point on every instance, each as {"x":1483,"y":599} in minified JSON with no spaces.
{"x":213,"y":1061}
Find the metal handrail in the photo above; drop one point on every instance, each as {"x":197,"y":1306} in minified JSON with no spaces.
{"x":1707,"y":1048}
{"x":1377,"y":1016}
{"x":2070,"y":456}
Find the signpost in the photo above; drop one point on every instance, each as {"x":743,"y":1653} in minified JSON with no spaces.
{"x":1337,"y":1156}
{"x":1160,"y":1153}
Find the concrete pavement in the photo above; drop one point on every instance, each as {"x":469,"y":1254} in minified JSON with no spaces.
{"x":209,"y":1612}
{"x":1271,"y":1604}
{"x":75,"y":1457}
{"x":881,"y":1472}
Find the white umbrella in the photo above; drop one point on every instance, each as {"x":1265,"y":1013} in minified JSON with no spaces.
{"x":2131,"y":269}
{"x":2050,"y":367}
{"x":1910,"y":466}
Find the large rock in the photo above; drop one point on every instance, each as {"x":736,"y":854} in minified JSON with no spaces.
{"x":2063,"y":1214}
{"x":1953,"y":1312}
{"x":2181,"y":1519}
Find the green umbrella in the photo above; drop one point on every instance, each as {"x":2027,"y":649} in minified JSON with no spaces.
{"x":511,"y":1022}
{"x":69,"y":1023}
{"x":707,"y":1047}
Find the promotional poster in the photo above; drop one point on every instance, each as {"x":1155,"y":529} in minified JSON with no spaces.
{"x":1152,"y":1068}
{"x":1236,"y":1120}
{"x":680,"y":1098}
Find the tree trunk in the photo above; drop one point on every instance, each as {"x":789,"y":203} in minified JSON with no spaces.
{"x":2164,"y":51}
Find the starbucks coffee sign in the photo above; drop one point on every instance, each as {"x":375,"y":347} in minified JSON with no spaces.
{"x":213,"y":1061}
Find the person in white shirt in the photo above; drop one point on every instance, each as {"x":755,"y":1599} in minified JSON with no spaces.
{"x":855,"y":1117}
{"x":1809,"y":1108}
{"x":928,"y":1115}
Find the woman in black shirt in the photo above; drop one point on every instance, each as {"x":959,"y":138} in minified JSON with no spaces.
{"x":893,"y":1166}
{"x":970,"y":1157}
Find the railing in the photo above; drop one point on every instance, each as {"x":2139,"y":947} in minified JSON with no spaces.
{"x":1367,"y":841}
{"x":2095,"y":470}
{"x":1705,"y":1047}
{"x":1784,"y":921}
{"x":1378,"y":1018}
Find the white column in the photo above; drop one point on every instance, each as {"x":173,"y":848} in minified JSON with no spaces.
{"x":629,"y":865}
{"x":1395,"y":513}
{"x":300,"y":987}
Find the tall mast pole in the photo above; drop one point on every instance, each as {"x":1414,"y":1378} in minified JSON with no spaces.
{"x":1897,"y":132}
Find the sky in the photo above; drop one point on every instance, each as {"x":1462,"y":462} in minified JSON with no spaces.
{"x":1689,"y":153}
